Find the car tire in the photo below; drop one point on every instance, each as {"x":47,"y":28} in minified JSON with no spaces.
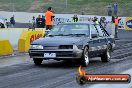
{"x":107,"y":54}
{"x":85,"y":57}
{"x":37,"y":61}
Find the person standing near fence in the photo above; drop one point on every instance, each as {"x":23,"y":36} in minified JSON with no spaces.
{"x":75,"y":18}
{"x":116,"y":26}
{"x":115,"y":7}
{"x":12,"y":21}
{"x":43,"y":21}
{"x":49,"y":15}
{"x":33,"y":22}
{"x":95,"y":20}
{"x":7,"y":23}
{"x":39,"y":21}
{"x":109,"y":10}
{"x":113,"y":26}
{"x":103,"y":21}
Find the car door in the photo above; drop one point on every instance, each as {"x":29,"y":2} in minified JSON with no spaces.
{"x":102,"y":39}
{"x":94,"y":42}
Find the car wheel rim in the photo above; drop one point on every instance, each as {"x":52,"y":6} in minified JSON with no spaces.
{"x":86,"y":58}
{"x":108,"y":54}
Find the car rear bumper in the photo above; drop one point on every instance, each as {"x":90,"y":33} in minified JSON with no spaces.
{"x":61,"y":54}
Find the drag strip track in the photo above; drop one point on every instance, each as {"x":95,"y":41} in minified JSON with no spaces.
{"x":105,"y":68}
{"x":61,"y":74}
{"x":53,"y":74}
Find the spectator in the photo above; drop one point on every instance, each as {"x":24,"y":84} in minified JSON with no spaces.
{"x":7,"y":24}
{"x":109,"y":10}
{"x":2,"y":25}
{"x":113,"y":19}
{"x":33,"y":22}
{"x":12,"y":21}
{"x":103,"y":22}
{"x":116,"y":26}
{"x":49,"y":15}
{"x":43,"y":21}
{"x":115,"y":6}
{"x":95,"y":20}
{"x":113,"y":26}
{"x":75,"y":18}
{"x":39,"y":22}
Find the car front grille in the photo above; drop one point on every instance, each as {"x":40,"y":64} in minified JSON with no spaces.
{"x":50,"y":47}
{"x":58,"y":53}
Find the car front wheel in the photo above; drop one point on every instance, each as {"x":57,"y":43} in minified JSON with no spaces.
{"x":37,"y":61}
{"x":85,"y":57}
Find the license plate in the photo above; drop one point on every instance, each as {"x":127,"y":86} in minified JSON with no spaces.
{"x":48,"y":55}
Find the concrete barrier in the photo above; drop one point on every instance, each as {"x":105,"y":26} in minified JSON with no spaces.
{"x":12,"y":34}
{"x":27,"y":37}
{"x":5,"y":48}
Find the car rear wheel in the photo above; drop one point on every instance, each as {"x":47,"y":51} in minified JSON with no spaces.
{"x":107,"y":55}
{"x":37,"y":61}
{"x":85,"y":57}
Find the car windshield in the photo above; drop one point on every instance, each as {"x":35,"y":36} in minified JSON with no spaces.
{"x":70,"y":30}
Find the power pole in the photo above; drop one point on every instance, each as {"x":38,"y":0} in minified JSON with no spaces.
{"x":13,"y":6}
{"x":66,"y":3}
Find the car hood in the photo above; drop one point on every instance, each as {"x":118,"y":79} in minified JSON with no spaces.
{"x":59,"y":40}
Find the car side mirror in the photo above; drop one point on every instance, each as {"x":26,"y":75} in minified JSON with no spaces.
{"x":94,"y":35}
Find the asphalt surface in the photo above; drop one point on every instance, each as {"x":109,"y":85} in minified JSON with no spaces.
{"x":20,"y":71}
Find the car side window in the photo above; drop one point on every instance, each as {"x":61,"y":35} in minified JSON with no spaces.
{"x":93,"y":30}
